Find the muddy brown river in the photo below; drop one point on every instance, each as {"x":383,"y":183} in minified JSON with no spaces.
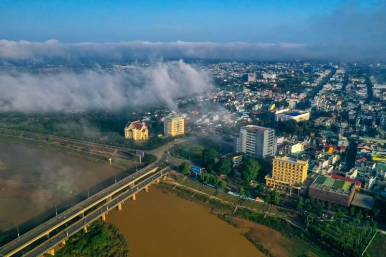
{"x":161,"y":224}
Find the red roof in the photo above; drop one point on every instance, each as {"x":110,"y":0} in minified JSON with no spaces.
{"x":361,"y":159}
{"x":138,"y":125}
{"x":343,"y":147}
{"x":357,"y":182}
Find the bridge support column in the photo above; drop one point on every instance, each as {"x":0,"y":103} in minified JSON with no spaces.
{"x":134,"y":197}
{"x":85,"y":229}
{"x":52,"y":252}
{"x":119,"y":206}
{"x":104,"y":216}
{"x":147,"y":188}
{"x":64,"y":242}
{"x":157,"y":181}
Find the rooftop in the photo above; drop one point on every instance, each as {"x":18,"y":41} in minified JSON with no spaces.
{"x":363,"y":201}
{"x":333,"y":185}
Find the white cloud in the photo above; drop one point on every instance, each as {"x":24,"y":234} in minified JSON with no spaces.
{"x":162,"y":82}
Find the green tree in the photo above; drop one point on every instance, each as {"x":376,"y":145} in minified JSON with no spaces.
{"x":223,"y":184}
{"x":251,"y":171}
{"x":359,"y":214}
{"x":300,"y":203}
{"x":225,"y":166}
{"x":260,"y":188}
{"x":352,"y":211}
{"x":241,"y":190}
{"x":208,"y":155}
{"x":275,"y":197}
{"x":184,"y":168}
{"x":267,"y":198}
{"x":375,"y":212}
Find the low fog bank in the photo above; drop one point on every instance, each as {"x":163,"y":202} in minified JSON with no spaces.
{"x":53,"y":50}
{"x":100,"y":90}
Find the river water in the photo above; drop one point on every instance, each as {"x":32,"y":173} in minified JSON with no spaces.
{"x":34,"y":180}
{"x":161,"y":224}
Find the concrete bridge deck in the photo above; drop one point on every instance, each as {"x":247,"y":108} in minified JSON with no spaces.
{"x":101,"y":211}
{"x":61,"y":219}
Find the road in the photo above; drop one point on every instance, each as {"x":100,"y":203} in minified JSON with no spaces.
{"x":96,"y":214}
{"x":62,"y":218}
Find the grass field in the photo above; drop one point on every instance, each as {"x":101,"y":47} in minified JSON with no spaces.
{"x":192,"y":150}
{"x":179,"y":178}
{"x":378,"y":246}
{"x":192,"y":184}
{"x":255,"y":205}
{"x":228,"y":197}
{"x":208,"y":190}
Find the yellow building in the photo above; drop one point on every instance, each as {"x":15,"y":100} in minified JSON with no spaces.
{"x":136,"y":130}
{"x":287,"y":172}
{"x":174,"y":126}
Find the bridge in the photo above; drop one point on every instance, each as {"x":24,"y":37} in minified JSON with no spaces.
{"x":96,"y":206}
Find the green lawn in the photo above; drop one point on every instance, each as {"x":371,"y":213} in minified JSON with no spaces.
{"x":208,"y":190}
{"x":228,"y":197}
{"x":378,"y":246}
{"x":255,"y":205}
{"x":192,"y":150}
{"x":192,"y":184}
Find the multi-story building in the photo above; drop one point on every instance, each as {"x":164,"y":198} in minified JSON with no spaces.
{"x":287,"y":173}
{"x":286,"y":114}
{"x":174,"y":126}
{"x":136,"y":130}
{"x":256,"y":141}
{"x":332,"y":190}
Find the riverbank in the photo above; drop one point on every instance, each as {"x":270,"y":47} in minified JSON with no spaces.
{"x":161,"y":224}
{"x":38,"y":179}
{"x":236,"y":215}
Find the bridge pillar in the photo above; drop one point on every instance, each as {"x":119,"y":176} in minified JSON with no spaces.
{"x":104,"y":216}
{"x":119,"y":206}
{"x":64,"y":242}
{"x":85,"y":229}
{"x":52,"y":252}
{"x":147,"y":188}
{"x":134,"y":197}
{"x":157,"y":181}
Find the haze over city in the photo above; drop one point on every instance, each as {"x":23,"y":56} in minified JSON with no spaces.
{"x":341,"y":30}
{"x":193,"y":128}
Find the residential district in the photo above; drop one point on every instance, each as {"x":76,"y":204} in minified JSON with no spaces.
{"x":322,"y":126}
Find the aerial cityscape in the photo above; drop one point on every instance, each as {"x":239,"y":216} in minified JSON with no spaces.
{"x":197,"y":128}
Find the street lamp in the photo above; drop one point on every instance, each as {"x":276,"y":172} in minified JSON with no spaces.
{"x":88,"y":192}
{"x":115,"y":178}
{"x":56,"y":211}
{"x":18,"y":234}
{"x":66,"y":228}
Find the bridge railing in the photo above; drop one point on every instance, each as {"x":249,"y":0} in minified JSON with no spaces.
{"x":67,"y":212}
{"x":135,"y":190}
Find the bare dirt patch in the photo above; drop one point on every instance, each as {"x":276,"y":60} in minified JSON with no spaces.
{"x":271,"y":240}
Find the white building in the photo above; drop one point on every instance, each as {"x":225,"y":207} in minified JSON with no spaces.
{"x":256,"y":141}
{"x":287,"y":114}
{"x":269,"y":76}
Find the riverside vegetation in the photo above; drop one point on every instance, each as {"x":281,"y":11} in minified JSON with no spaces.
{"x":102,"y":240}
{"x":339,"y":237}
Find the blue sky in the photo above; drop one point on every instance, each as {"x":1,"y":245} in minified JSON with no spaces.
{"x":165,"y":21}
{"x":254,"y":29}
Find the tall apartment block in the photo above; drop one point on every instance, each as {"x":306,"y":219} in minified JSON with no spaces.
{"x":256,"y":141}
{"x":174,"y":126}
{"x":287,"y":173}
